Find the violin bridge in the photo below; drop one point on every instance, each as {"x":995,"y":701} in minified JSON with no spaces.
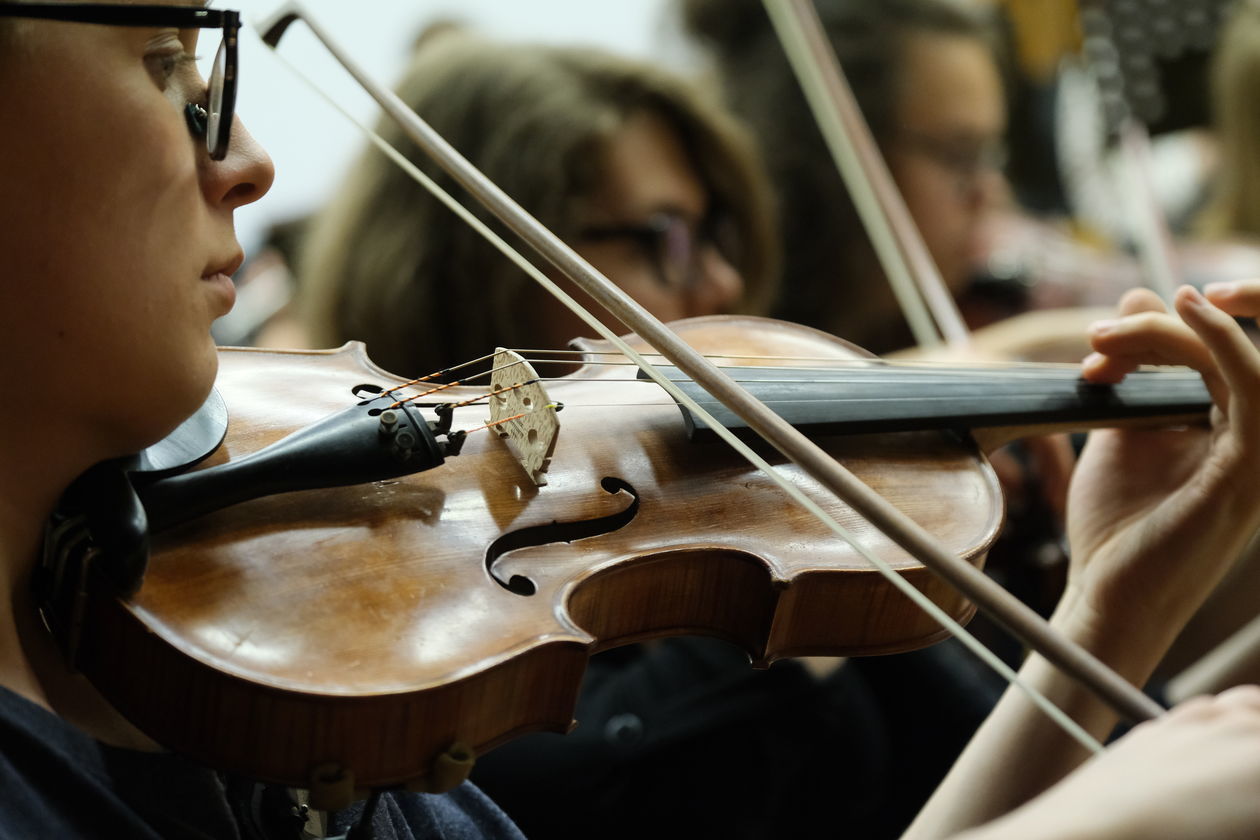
{"x":523,"y":413}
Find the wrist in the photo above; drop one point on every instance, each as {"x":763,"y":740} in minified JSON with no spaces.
{"x":1132,"y":648}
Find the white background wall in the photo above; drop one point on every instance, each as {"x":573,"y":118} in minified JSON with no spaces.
{"x":312,"y":144}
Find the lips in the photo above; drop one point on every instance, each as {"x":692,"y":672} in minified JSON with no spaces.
{"x":219,"y":278}
{"x":229,"y":266}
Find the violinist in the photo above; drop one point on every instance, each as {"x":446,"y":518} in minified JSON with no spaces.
{"x":120,"y":187}
{"x":117,"y":233}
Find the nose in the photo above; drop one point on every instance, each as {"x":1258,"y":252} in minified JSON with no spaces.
{"x":986,"y":189}
{"x":243,"y":177}
{"x":718,"y":287}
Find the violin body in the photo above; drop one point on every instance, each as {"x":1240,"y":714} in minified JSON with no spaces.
{"x":356,"y":634}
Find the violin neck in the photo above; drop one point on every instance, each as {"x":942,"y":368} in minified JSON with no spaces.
{"x":999,"y":404}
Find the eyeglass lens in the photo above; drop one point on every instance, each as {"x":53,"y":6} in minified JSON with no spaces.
{"x":213,"y":69}
{"x":214,"y":101}
{"x":677,"y":249}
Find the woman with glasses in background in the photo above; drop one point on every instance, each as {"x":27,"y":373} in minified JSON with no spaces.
{"x":120,"y":171}
{"x":650,"y":183}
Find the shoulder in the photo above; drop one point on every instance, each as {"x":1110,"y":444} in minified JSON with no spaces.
{"x":464,"y":813}
{"x":58,"y":782}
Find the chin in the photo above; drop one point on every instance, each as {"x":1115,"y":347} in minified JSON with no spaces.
{"x":184,"y":387}
{"x":198,"y":379}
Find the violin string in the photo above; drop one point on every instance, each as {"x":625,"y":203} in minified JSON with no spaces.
{"x":434,"y":375}
{"x":848,"y":399}
{"x":989,"y":369}
{"x":986,"y":369}
{"x":501,"y":421}
{"x":904,"y":379}
{"x":863,"y":373}
{"x":430,"y":392}
{"x":787,"y":486}
{"x":495,"y":393}
{"x":907,"y":379}
{"x":465,"y":381}
{"x":477,"y":400}
{"x":821,"y":360}
{"x":576,"y":404}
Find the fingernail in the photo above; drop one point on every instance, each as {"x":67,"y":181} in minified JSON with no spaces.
{"x":1092,"y":360}
{"x":1102,"y":327}
{"x":1221,"y":288}
{"x":1192,"y":296}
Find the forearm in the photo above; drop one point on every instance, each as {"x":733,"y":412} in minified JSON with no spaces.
{"x":1019,"y":752}
{"x":1236,"y":661}
{"x":1156,"y":518}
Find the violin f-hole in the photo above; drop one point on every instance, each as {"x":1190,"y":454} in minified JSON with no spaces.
{"x":560,"y":532}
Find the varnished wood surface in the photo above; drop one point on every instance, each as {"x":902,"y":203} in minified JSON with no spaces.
{"x":360,"y":626}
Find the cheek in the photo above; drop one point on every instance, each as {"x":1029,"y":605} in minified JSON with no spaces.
{"x":633,"y":275}
{"x":944,"y":220}
{"x":105,"y":273}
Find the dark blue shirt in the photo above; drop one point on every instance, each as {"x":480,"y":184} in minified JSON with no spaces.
{"x":55,"y":781}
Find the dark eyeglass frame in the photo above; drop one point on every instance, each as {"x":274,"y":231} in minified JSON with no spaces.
{"x":215,"y":120}
{"x":967,"y":166}
{"x":657,"y":237}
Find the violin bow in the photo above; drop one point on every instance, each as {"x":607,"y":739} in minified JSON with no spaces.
{"x":1026,"y":624}
{"x":926,"y":302}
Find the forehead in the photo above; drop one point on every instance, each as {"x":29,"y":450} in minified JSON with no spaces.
{"x":950,"y":85}
{"x":646,"y":169}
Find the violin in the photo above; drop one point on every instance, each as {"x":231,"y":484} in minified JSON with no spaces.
{"x":380,"y":631}
{"x":382,"y":634}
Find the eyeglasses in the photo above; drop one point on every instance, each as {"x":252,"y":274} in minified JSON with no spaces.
{"x":214,"y":120}
{"x":671,"y":245}
{"x":963,"y":157}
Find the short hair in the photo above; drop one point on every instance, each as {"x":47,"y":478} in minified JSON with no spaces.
{"x":387,"y":264}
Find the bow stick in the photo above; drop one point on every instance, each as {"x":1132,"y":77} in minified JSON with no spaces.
{"x":792,"y":444}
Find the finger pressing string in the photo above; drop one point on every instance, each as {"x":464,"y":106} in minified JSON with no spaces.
{"x":1105,"y":369}
{"x":1145,"y":337}
{"x":1235,"y":375}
